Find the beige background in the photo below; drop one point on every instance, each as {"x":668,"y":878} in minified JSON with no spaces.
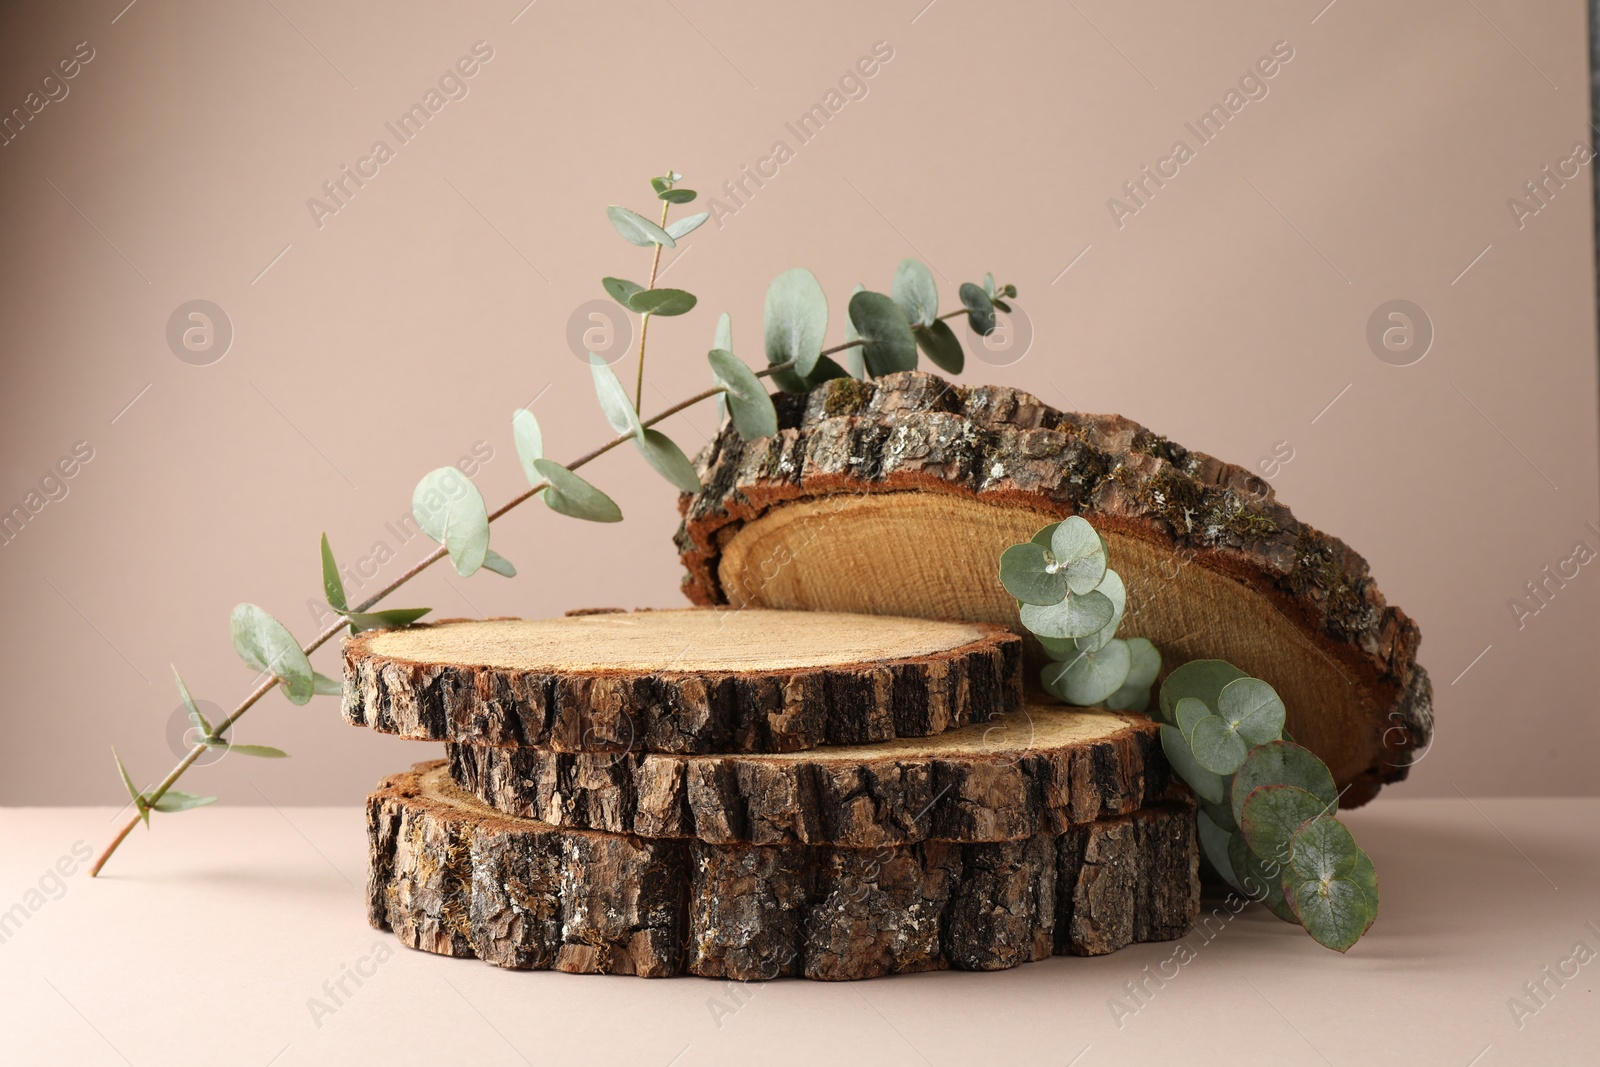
{"x":1228,"y":313}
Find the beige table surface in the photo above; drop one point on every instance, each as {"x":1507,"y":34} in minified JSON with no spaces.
{"x":207,"y":939}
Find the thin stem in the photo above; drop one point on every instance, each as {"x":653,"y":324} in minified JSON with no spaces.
{"x":644,"y":320}
{"x":411,"y":572}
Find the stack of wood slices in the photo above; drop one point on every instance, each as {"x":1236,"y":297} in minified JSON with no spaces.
{"x":752,"y":793}
{"x":832,"y":768}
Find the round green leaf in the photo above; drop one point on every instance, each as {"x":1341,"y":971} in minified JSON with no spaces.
{"x":621,"y":289}
{"x":1216,"y":747}
{"x":1221,"y":814}
{"x":529,"y":440}
{"x":1111,"y":585}
{"x":795,"y":320}
{"x":1273,"y":814}
{"x":1282,"y":763}
{"x":1365,"y":875}
{"x":1129,"y":698}
{"x":988,"y":285}
{"x":494,"y":561}
{"x":916,"y":293}
{"x":1214,"y":845}
{"x":854,"y":361}
{"x":1026,"y":573}
{"x":668,"y":460}
{"x":980,"y":309}
{"x":663,"y":302}
{"x":1252,"y":709}
{"x":677,"y":228}
{"x":1202,"y":679}
{"x":636,"y":229}
{"x":879,"y":321}
{"x":723,"y":338}
{"x":1207,"y":786}
{"x":1091,"y":677}
{"x":613,"y":398}
{"x":1046,"y":535}
{"x":1146,"y":662}
{"x":942,"y":346}
{"x":265,"y":644}
{"x":1320,"y":884}
{"x":826,"y":370}
{"x":677,"y":196}
{"x":571,"y":495}
{"x":1189,"y":712}
{"x":1077,"y":616}
{"x":747,"y":399}
{"x":449,"y":509}
{"x":1079,"y":553}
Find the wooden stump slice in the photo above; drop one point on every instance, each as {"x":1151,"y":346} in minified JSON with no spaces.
{"x":684,"y":681}
{"x":453,"y":876}
{"x":1043,"y":768}
{"x":898,"y":495}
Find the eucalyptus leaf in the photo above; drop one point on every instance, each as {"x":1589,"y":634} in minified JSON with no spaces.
{"x":199,"y":720}
{"x":1079,"y":553}
{"x":943,"y":347}
{"x":854,"y":360}
{"x":259,"y":751}
{"x":265,"y":644}
{"x":1364,"y":874}
{"x":916,"y":293}
{"x":621,"y":289}
{"x":668,"y":460}
{"x":1111,"y":585}
{"x":748,"y":402}
{"x":1221,"y":814}
{"x":663,"y":302}
{"x":1077,"y":616}
{"x":677,"y":229}
{"x":388,"y":619}
{"x":1202,"y":679}
{"x":174,"y":800}
{"x":1252,"y":709}
{"x":1129,"y":698}
{"x":878,"y":320}
{"x":332,"y":586}
{"x":1322,"y":886}
{"x":1214,"y":845}
{"x":494,"y":561}
{"x":1146,"y":662}
{"x":636,"y":229}
{"x":614,"y":401}
{"x":980,"y":309}
{"x":1282,"y":763}
{"x":795,"y":320}
{"x":825,"y":371}
{"x":1216,"y":747}
{"x":1026,"y":573}
{"x":677,"y":196}
{"x":988,"y":285}
{"x":1273,"y":814}
{"x":1091,"y":677}
{"x":1206,"y":785}
{"x":723,"y":338}
{"x":449,"y":509}
{"x":1058,"y":648}
{"x":529,"y":440}
{"x":323,"y":686}
{"x":1189,"y":712}
{"x":133,"y":791}
{"x":570,"y":495}
{"x":1047,"y":535}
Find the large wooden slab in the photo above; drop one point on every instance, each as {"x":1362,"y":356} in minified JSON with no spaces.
{"x":899,"y":495}
{"x":682,"y":681}
{"x":451,"y":875}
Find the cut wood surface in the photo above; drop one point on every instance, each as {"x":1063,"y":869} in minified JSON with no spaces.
{"x":453,"y":876}
{"x":898,"y":496}
{"x":1043,"y":768}
{"x":684,"y":681}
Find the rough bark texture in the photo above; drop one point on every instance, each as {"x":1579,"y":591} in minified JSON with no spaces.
{"x":452,"y":876}
{"x":396,"y":682}
{"x":1044,"y":768}
{"x":866,"y":481}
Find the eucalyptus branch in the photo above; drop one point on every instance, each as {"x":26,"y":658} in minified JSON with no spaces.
{"x":449,"y":508}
